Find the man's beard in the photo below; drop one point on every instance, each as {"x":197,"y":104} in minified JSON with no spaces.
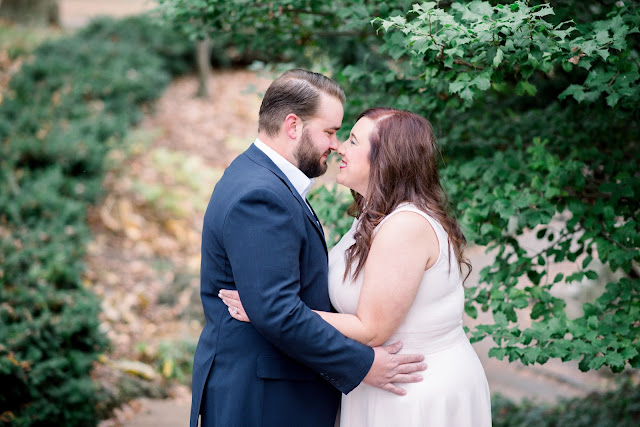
{"x":308,"y":158}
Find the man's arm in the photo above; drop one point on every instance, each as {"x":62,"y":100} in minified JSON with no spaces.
{"x":263,"y":244}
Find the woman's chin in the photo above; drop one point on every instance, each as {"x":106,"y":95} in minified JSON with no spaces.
{"x":344,"y":185}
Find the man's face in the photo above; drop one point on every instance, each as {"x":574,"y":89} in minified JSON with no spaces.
{"x":319,"y":137}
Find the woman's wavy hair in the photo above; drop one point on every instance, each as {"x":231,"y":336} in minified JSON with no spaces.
{"x":403,"y":168}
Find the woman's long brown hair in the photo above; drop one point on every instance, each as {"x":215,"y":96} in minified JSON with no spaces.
{"x":404,"y":168}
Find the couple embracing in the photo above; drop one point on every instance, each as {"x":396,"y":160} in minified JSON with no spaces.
{"x":290,"y":327}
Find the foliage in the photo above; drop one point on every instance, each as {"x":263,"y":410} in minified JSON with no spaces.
{"x":175,"y":360}
{"x":619,"y":407}
{"x":585,"y":78}
{"x":298,"y":31}
{"x":167,"y":45}
{"x":536,"y":107}
{"x":181,"y":191}
{"x":17,"y":40}
{"x":474,"y":46}
{"x":59,"y":116}
{"x":330,"y":205}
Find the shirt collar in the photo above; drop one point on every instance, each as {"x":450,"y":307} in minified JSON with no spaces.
{"x":300,"y":181}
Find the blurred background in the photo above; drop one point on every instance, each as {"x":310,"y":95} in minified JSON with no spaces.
{"x":118,"y":117}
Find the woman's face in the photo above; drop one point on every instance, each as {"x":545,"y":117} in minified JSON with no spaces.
{"x":354,"y":168}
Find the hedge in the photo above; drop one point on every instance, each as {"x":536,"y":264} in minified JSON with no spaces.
{"x":616,"y":408}
{"x":62,"y":112}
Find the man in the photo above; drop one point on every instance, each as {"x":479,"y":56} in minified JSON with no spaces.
{"x":287,"y":367}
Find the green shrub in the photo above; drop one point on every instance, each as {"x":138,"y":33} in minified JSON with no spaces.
{"x":156,"y":37}
{"x":330,"y":204}
{"x":175,"y":360}
{"x":60,"y":115}
{"x":617,"y":408}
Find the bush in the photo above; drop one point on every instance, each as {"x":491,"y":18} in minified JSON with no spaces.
{"x":165,"y":44}
{"x":619,"y":408}
{"x":330,"y":205}
{"x":60,"y":115}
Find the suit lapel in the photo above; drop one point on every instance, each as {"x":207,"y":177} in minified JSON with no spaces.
{"x":316,"y":217}
{"x":258,"y":156}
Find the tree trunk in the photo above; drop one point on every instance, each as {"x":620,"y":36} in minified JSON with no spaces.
{"x":203,"y":57}
{"x":30,"y":12}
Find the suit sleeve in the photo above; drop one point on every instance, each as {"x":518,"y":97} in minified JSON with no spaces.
{"x":264,"y":246}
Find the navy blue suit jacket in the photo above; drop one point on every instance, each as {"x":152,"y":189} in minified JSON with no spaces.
{"x":287,"y":367}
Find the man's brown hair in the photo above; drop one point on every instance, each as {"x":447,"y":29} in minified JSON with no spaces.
{"x":296,"y":91}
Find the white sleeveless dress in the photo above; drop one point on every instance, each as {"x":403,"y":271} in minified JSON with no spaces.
{"x":454,"y":391}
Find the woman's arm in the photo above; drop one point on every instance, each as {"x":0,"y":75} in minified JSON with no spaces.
{"x":403,"y":248}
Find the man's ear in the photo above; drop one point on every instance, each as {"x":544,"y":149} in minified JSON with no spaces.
{"x":293,"y":126}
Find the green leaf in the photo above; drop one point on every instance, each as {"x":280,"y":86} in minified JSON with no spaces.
{"x":455,"y":87}
{"x":538,"y":310}
{"x":635,"y":362}
{"x":467,"y":94}
{"x":497,"y":59}
{"x":471,"y":311}
{"x":591,"y":275}
{"x":597,"y":362}
{"x":629,"y":353}
{"x":613,"y":99}
{"x":545,"y":10}
{"x":577,"y":91}
{"x":481,"y":82}
{"x":614,"y":359}
{"x":604,"y":53}
{"x":585,"y":363}
{"x":525,"y":87}
{"x":497,"y":353}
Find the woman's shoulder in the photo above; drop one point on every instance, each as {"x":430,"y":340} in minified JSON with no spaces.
{"x":404,"y":210}
{"x":406,"y":230}
{"x":405,"y":218}
{"x":409,"y":213}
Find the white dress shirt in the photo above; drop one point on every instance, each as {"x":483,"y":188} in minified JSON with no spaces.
{"x":300,"y":181}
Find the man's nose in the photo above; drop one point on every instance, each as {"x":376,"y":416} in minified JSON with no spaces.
{"x":333,"y":143}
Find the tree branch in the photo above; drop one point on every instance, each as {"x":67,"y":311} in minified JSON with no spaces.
{"x":468,"y":64}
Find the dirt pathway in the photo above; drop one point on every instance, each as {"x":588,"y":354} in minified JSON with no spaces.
{"x":145,"y":257}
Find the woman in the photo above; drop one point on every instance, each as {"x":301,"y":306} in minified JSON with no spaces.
{"x":396,"y":275}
